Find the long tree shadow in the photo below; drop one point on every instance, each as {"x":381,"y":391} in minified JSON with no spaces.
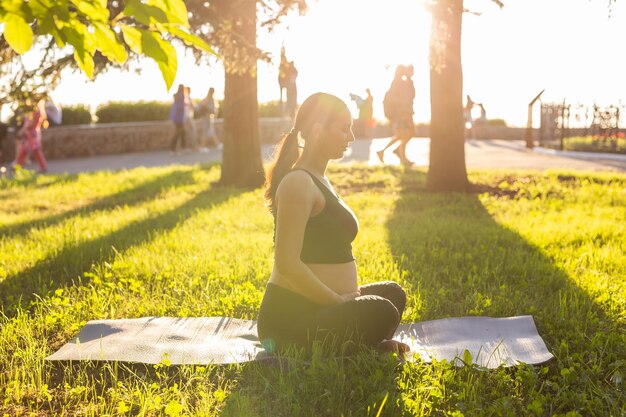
{"x":461,"y":262}
{"x":61,"y":268}
{"x":135,"y":195}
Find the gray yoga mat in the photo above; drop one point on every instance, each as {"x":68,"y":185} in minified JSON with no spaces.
{"x":220,"y":340}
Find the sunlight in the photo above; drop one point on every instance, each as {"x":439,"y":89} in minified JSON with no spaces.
{"x":343,"y":47}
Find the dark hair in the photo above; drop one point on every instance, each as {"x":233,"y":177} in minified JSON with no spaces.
{"x":319,"y":107}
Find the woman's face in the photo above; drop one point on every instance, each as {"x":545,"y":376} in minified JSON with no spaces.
{"x":338,"y":136}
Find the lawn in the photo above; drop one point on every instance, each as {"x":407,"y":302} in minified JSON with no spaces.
{"x":166,"y":242}
{"x":610,"y":144}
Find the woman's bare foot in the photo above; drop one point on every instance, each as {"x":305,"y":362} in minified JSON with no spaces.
{"x":393,"y":346}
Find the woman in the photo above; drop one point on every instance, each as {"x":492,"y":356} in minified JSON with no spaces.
{"x":313,"y":292}
{"x":206,"y":110}
{"x":177,"y":116}
{"x":30,"y":132}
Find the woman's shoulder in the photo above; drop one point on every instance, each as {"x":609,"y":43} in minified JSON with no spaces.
{"x":297,"y":184}
{"x":296,"y":178}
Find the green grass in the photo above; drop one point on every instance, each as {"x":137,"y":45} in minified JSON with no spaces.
{"x":164,"y":241}
{"x":611,"y":144}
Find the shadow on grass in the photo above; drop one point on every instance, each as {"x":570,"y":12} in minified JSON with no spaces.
{"x":141,"y":193}
{"x":461,"y":262}
{"x":64,"y":266}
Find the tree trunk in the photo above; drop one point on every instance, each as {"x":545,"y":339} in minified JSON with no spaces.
{"x":242,"y":165}
{"x":447,"y":171}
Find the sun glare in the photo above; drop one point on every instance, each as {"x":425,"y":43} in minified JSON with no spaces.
{"x":567,"y":47}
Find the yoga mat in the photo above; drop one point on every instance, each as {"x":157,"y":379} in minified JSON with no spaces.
{"x":220,"y":340}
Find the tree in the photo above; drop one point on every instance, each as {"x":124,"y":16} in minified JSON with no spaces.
{"x":447,"y":171}
{"x":89,"y":34}
{"x":231,"y":26}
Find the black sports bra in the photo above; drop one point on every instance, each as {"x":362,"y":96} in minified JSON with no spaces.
{"x":329,"y":234}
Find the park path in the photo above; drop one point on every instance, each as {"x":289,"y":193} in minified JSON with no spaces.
{"x":479,"y":154}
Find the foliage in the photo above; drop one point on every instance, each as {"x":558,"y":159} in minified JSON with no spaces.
{"x":76,"y":115}
{"x":160,"y":242}
{"x":88,"y":27}
{"x":89,"y":34}
{"x":270,"y":109}
{"x":496,"y":122}
{"x":607,"y":144}
{"x":141,"y":111}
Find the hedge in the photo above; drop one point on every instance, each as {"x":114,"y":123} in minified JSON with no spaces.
{"x":141,"y":111}
{"x":76,"y":115}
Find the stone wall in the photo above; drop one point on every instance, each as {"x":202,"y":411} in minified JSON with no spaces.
{"x":115,"y":138}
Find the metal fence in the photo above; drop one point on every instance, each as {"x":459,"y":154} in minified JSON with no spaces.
{"x":560,"y":121}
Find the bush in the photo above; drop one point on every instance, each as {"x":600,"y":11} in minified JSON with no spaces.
{"x":496,"y":122}
{"x":269,"y":109}
{"x":76,"y":115}
{"x":141,"y":111}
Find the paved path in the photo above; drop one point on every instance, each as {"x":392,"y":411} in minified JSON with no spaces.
{"x":479,"y":154}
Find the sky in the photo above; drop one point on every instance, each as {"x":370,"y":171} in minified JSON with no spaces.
{"x":571,"y":48}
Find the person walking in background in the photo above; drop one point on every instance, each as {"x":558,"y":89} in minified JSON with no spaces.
{"x":365,"y":123}
{"x":4,"y":129}
{"x":54,"y":113}
{"x":30,"y":132}
{"x":177,"y":116}
{"x":398,"y":108}
{"x":287,"y":76}
{"x":189,"y":120}
{"x":206,"y":111}
{"x":467,"y":114}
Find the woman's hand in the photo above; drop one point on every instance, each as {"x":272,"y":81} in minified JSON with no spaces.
{"x":349,"y":296}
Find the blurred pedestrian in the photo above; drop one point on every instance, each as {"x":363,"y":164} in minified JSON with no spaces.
{"x":30,"y":132}
{"x":189,"y":120}
{"x":206,"y":111}
{"x":398,"y":108}
{"x":365,"y":122}
{"x":177,"y":116}
{"x":287,"y":75}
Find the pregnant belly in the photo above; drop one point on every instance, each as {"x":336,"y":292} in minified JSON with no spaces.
{"x":341,"y":278}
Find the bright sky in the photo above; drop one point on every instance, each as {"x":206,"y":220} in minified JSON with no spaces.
{"x":569,"y":47}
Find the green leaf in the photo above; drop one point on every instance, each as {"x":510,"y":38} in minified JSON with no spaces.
{"x":175,"y":10}
{"x":12,"y":6}
{"x":17,"y":33}
{"x":93,"y":10}
{"x":467,"y":357}
{"x":190,"y":39}
{"x":163,"y":54}
{"x":108,"y":44}
{"x":39,"y":8}
{"x":132,"y":37}
{"x":152,"y":47}
{"x":146,"y":14}
{"x":85,"y":61}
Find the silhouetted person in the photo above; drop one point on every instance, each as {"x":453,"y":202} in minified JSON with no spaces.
{"x":365,"y":122}
{"x":30,"y":132}
{"x":287,"y":75}
{"x":398,"y":107}
{"x":206,"y":111}
{"x":177,"y":116}
{"x":467,"y":114}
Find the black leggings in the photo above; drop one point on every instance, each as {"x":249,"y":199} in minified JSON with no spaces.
{"x":179,"y":132}
{"x":287,"y":318}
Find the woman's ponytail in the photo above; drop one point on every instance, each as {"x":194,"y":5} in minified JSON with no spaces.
{"x":287,"y":155}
